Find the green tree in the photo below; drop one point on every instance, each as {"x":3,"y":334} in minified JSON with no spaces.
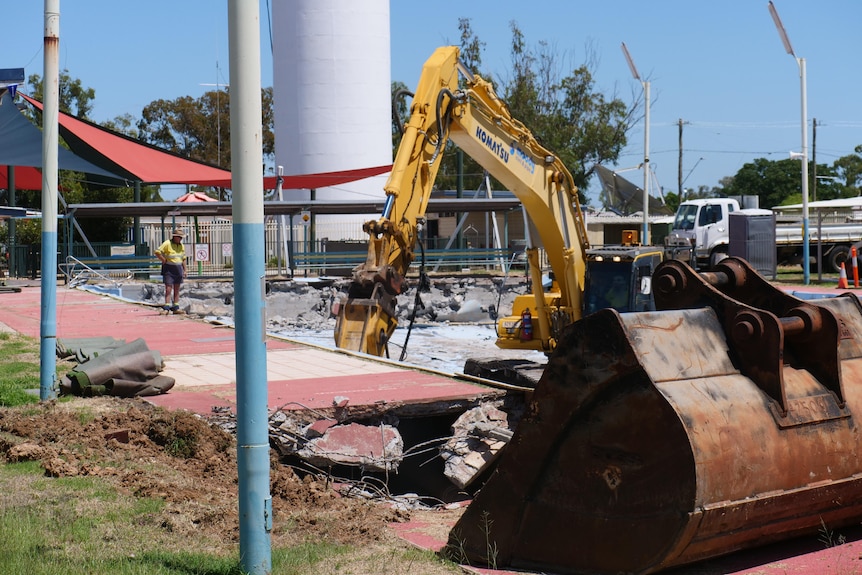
{"x":773,"y":182}
{"x":454,"y":161}
{"x":565,"y":112}
{"x":75,"y":99}
{"x":778,"y":182}
{"x":124,"y":124}
{"x":200,"y":128}
{"x":671,"y":200}
{"x":848,"y":169}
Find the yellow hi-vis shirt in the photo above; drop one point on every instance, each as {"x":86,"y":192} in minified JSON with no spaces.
{"x":173,"y":253}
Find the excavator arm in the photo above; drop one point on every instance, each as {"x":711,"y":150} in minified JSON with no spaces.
{"x":477,"y":121}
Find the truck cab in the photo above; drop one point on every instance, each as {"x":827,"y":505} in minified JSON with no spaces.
{"x":703,"y":224}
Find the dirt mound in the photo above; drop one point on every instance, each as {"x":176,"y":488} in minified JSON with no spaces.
{"x":182,"y":459}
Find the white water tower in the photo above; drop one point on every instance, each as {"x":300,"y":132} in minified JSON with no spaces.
{"x":332,"y":98}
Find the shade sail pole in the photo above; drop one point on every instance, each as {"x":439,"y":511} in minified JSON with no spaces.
{"x":255,"y":502}
{"x":50,"y":140}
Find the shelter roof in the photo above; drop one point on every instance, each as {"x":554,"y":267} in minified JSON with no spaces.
{"x":137,"y":161}
{"x":6,"y":212}
{"x":26,"y":178}
{"x":852,"y":203}
{"x":194,"y":197}
{"x":130,"y":158}
{"x":21,"y":146}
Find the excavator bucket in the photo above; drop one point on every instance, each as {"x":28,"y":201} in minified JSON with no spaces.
{"x":663,"y":438}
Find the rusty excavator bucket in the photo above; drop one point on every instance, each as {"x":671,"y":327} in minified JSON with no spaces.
{"x":727,"y":420}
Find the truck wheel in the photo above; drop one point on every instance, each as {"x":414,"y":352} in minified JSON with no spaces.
{"x":836,"y":256}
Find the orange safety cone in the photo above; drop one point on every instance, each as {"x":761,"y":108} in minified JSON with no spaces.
{"x":855,"y":266}
{"x":842,"y":278}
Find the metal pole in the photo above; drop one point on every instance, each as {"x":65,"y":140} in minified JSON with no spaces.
{"x":50,"y":141}
{"x":13,"y":236}
{"x":806,"y":264}
{"x":255,"y":501}
{"x":646,"y":238}
{"x":788,"y":47}
{"x":283,"y":253}
{"x":814,"y":197}
{"x":136,"y":227}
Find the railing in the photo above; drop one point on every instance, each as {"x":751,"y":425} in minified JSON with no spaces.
{"x":310,"y":258}
{"x":328,"y":263}
{"x":113,"y":269}
{"x":468,"y":258}
{"x":341,"y":262}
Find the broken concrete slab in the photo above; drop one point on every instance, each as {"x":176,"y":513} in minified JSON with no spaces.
{"x":478,"y":436}
{"x":374,"y":448}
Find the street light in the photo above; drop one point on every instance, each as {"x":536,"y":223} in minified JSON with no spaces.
{"x":646,"y":238}
{"x":801,"y":63}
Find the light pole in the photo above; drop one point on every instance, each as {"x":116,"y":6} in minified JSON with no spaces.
{"x":646,"y":238}
{"x":801,"y":63}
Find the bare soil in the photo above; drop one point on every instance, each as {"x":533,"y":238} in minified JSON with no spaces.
{"x":179,"y":457}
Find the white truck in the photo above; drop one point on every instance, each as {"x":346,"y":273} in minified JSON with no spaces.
{"x":704,"y":224}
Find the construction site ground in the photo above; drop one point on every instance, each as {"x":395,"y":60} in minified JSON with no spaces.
{"x":200,"y":356}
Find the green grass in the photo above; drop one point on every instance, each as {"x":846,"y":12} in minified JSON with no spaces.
{"x":81,"y":525}
{"x":60,"y":525}
{"x":86,"y":524}
{"x":19,"y":369}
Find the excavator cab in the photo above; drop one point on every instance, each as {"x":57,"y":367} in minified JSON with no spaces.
{"x":620,"y":277}
{"x":617,"y":277}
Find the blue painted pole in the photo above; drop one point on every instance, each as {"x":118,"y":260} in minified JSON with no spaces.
{"x":50,"y":139}
{"x":255,"y":501}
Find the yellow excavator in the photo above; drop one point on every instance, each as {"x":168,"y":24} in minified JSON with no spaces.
{"x":724,"y":420}
{"x":477,"y":121}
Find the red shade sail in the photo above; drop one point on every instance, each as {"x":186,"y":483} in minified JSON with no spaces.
{"x":138,"y":161}
{"x":26,"y":178}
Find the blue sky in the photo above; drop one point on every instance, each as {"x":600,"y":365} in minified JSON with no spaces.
{"x":718,"y":66}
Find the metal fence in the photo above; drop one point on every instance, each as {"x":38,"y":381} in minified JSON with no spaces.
{"x":210,"y":250}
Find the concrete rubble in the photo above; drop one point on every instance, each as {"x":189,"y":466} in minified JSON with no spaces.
{"x":373,"y":443}
{"x":478,"y":436}
{"x":296,"y":303}
{"x":325,"y":442}
{"x":373,"y":448}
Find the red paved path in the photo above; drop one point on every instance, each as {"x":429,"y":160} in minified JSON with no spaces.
{"x":83,"y":314}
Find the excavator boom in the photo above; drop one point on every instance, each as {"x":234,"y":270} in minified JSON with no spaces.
{"x":478,"y":122}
